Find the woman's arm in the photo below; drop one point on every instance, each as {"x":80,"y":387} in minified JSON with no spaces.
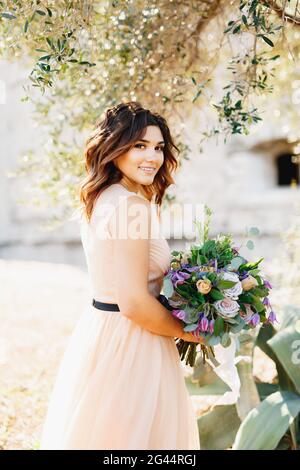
{"x":131,"y":262}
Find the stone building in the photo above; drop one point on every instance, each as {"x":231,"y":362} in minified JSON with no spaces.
{"x":250,"y":181}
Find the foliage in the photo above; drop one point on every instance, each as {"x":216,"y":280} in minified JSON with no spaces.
{"x":215,"y":291}
{"x":168,"y":51}
{"x":274,"y":421}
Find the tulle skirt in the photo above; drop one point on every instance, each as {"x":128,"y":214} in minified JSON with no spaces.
{"x":119,"y":386}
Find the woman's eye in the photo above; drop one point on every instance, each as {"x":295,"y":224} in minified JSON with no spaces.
{"x":158,"y":148}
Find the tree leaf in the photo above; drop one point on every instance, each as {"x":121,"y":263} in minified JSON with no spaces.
{"x":267,"y":40}
{"x":8,"y":15}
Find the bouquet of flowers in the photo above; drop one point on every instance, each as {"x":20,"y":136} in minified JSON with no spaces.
{"x":215,"y":291}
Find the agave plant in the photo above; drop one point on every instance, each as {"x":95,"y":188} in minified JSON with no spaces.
{"x":266,"y":416}
{"x":278,"y":414}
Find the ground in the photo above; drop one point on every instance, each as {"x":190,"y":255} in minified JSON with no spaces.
{"x":40,"y":304}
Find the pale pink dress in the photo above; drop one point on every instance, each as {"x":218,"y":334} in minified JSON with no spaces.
{"x":119,"y":386}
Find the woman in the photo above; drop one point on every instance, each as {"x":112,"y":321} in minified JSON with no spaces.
{"x":120,"y":384}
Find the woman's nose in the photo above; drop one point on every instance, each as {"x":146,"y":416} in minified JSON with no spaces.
{"x":151,"y":155}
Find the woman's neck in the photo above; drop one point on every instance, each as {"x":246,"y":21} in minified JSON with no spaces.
{"x":135,"y":187}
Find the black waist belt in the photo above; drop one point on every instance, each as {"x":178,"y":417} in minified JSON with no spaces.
{"x":115,"y":308}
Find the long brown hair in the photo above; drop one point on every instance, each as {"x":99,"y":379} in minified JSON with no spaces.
{"x":122,"y":126}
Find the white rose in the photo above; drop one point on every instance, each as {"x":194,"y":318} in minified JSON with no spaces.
{"x":227,"y":308}
{"x":234,"y":291}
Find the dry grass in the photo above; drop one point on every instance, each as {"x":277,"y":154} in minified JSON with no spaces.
{"x":39,"y":306}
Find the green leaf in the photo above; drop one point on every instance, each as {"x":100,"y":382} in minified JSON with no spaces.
{"x":40,"y":12}
{"x":253,"y":272}
{"x":239,"y":326}
{"x":286,"y":346}
{"x":244,"y":18}
{"x":45,"y":57}
{"x":168,"y":288}
{"x":250,"y":244}
{"x":258,"y":304}
{"x":248,"y":266}
{"x":267,"y":40}
{"x":214,"y":340}
{"x":245,"y":298}
{"x":218,"y":326}
{"x":275,"y":57}
{"x":190,"y":327}
{"x":175,"y":253}
{"x":264,"y":426}
{"x":224,"y":284}
{"x":8,"y":15}
{"x":225,"y":340}
{"x":254,"y":231}
{"x":216,"y":294}
{"x":236,"y":29}
{"x":260,"y":291}
{"x":236,"y":262}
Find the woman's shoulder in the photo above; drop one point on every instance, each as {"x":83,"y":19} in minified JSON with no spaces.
{"x":112,"y":196}
{"x":113,"y":192}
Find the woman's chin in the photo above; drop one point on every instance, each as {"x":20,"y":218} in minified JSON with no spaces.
{"x":146,"y":180}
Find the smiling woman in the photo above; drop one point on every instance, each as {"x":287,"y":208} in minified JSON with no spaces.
{"x":122,"y":148}
{"x":120,"y":384}
{"x":142,"y":162}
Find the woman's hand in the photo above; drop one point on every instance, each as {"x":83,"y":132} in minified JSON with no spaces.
{"x":193,"y":339}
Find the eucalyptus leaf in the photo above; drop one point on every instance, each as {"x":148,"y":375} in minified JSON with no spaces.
{"x":214,"y":340}
{"x":225,"y":340}
{"x":190,"y":327}
{"x":236,"y":262}
{"x":168,"y":288}
{"x":254,"y":231}
{"x":250,"y":244}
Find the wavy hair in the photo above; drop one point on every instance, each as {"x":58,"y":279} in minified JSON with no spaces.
{"x":122,"y":126}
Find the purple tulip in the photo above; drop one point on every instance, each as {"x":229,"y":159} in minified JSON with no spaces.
{"x":179,"y":277}
{"x":255,"y":319}
{"x":196,"y":332}
{"x":211,"y":326}
{"x":272,"y":318}
{"x":204,"y":324}
{"x":267,"y":284}
{"x":192,"y":268}
{"x":266,"y":301}
{"x":179,"y":314}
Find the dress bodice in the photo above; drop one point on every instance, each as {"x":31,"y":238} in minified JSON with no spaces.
{"x":99,"y":250}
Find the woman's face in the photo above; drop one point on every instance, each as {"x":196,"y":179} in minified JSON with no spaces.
{"x":141,"y":163}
